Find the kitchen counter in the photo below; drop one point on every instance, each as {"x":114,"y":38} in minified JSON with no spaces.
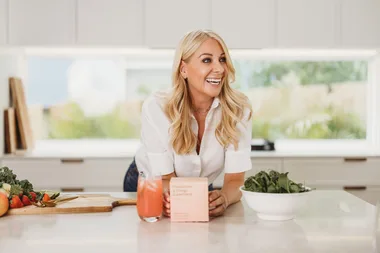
{"x":334,"y":221}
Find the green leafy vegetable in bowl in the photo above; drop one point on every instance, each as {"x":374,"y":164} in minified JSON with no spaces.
{"x":273,"y":182}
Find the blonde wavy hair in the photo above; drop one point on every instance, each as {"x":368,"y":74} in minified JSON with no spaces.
{"x":178,"y":105}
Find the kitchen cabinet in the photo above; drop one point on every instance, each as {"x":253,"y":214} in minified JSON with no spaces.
{"x":47,"y":173}
{"x":111,"y":22}
{"x":107,"y":174}
{"x":90,"y":174}
{"x":307,"y":23}
{"x":360,"y":26}
{"x":245,"y":23}
{"x":258,"y":164}
{"x":167,"y":21}
{"x":336,"y":172}
{"x":42,"y":22}
{"x":3,"y":21}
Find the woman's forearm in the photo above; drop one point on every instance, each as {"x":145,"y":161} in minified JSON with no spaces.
{"x":231,"y":190}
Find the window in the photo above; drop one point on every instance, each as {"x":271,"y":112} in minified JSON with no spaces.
{"x":295,"y":95}
{"x":306,"y":99}
{"x":90,"y":98}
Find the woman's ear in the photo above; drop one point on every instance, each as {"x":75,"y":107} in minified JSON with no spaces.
{"x":183,"y":70}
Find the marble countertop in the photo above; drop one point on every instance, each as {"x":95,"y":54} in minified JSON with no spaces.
{"x":334,"y":221}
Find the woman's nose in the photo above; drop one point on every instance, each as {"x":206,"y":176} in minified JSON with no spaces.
{"x":218,"y":67}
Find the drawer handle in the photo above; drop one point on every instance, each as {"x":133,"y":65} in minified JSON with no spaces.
{"x":355,"y":159}
{"x":72,"y":189}
{"x":72,"y":160}
{"x":359,"y":187}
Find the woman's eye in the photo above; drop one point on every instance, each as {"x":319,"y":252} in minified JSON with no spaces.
{"x":206,"y":60}
{"x":223,"y":59}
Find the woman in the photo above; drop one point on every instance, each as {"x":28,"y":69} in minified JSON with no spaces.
{"x":200,"y":127}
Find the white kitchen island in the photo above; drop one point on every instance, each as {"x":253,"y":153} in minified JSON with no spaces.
{"x":334,"y":221}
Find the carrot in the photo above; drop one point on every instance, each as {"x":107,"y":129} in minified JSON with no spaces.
{"x":46,"y":197}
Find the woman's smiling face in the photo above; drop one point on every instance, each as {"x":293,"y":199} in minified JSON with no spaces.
{"x":205,"y":70}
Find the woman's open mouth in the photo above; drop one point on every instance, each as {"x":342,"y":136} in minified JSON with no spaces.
{"x":214,"y":81}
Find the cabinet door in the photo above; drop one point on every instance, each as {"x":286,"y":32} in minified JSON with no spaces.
{"x":71,"y":174}
{"x":3,"y":22}
{"x":307,"y":23}
{"x":360,"y":23}
{"x":167,"y":21}
{"x":337,"y":172}
{"x":266,"y":164}
{"x":47,"y":173}
{"x":245,"y":23}
{"x":41,"y":22}
{"x":258,"y":164}
{"x":111,"y":22}
{"x":105,"y":174}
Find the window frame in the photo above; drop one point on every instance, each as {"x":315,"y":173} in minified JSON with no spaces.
{"x":369,"y":145}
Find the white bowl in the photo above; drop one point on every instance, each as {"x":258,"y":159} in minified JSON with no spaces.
{"x":276,"y":206}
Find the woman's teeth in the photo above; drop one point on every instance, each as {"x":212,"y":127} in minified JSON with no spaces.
{"x":213,"y":81}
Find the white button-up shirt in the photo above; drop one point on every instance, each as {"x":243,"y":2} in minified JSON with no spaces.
{"x":157,"y":155}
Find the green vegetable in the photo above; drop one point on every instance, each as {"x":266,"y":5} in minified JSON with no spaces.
{"x":23,"y":187}
{"x":7,"y":177}
{"x":27,"y":187}
{"x":15,"y":190}
{"x":272,"y":182}
{"x":39,"y":195}
{"x":52,"y":194}
{"x":5,"y":188}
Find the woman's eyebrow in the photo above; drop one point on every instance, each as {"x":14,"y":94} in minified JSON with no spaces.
{"x":205,"y":54}
{"x":210,"y":54}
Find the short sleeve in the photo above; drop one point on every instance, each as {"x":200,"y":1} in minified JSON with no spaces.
{"x":240,"y":160}
{"x":154,"y":128}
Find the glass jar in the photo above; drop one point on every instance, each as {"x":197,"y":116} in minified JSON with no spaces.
{"x":149,"y":197}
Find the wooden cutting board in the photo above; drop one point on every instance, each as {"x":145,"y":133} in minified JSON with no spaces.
{"x":22,"y":115}
{"x":10,"y":131}
{"x":82,"y":204}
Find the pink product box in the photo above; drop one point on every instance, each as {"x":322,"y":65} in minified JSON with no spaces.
{"x":189,"y":199}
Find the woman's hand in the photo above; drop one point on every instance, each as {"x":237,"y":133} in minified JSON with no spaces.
{"x":166,"y":193}
{"x":218,"y":203}
{"x":166,"y":203}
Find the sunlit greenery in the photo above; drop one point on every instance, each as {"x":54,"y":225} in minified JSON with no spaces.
{"x":72,"y":124}
{"x":254,"y":74}
{"x":332,"y":124}
{"x":323,"y":121}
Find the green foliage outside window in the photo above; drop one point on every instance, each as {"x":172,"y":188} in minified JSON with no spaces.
{"x":73,"y":124}
{"x":324,"y":121}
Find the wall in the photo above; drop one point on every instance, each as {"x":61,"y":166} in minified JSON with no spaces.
{"x":10,"y":65}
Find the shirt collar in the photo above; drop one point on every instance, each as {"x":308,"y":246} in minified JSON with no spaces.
{"x":215,"y":103}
